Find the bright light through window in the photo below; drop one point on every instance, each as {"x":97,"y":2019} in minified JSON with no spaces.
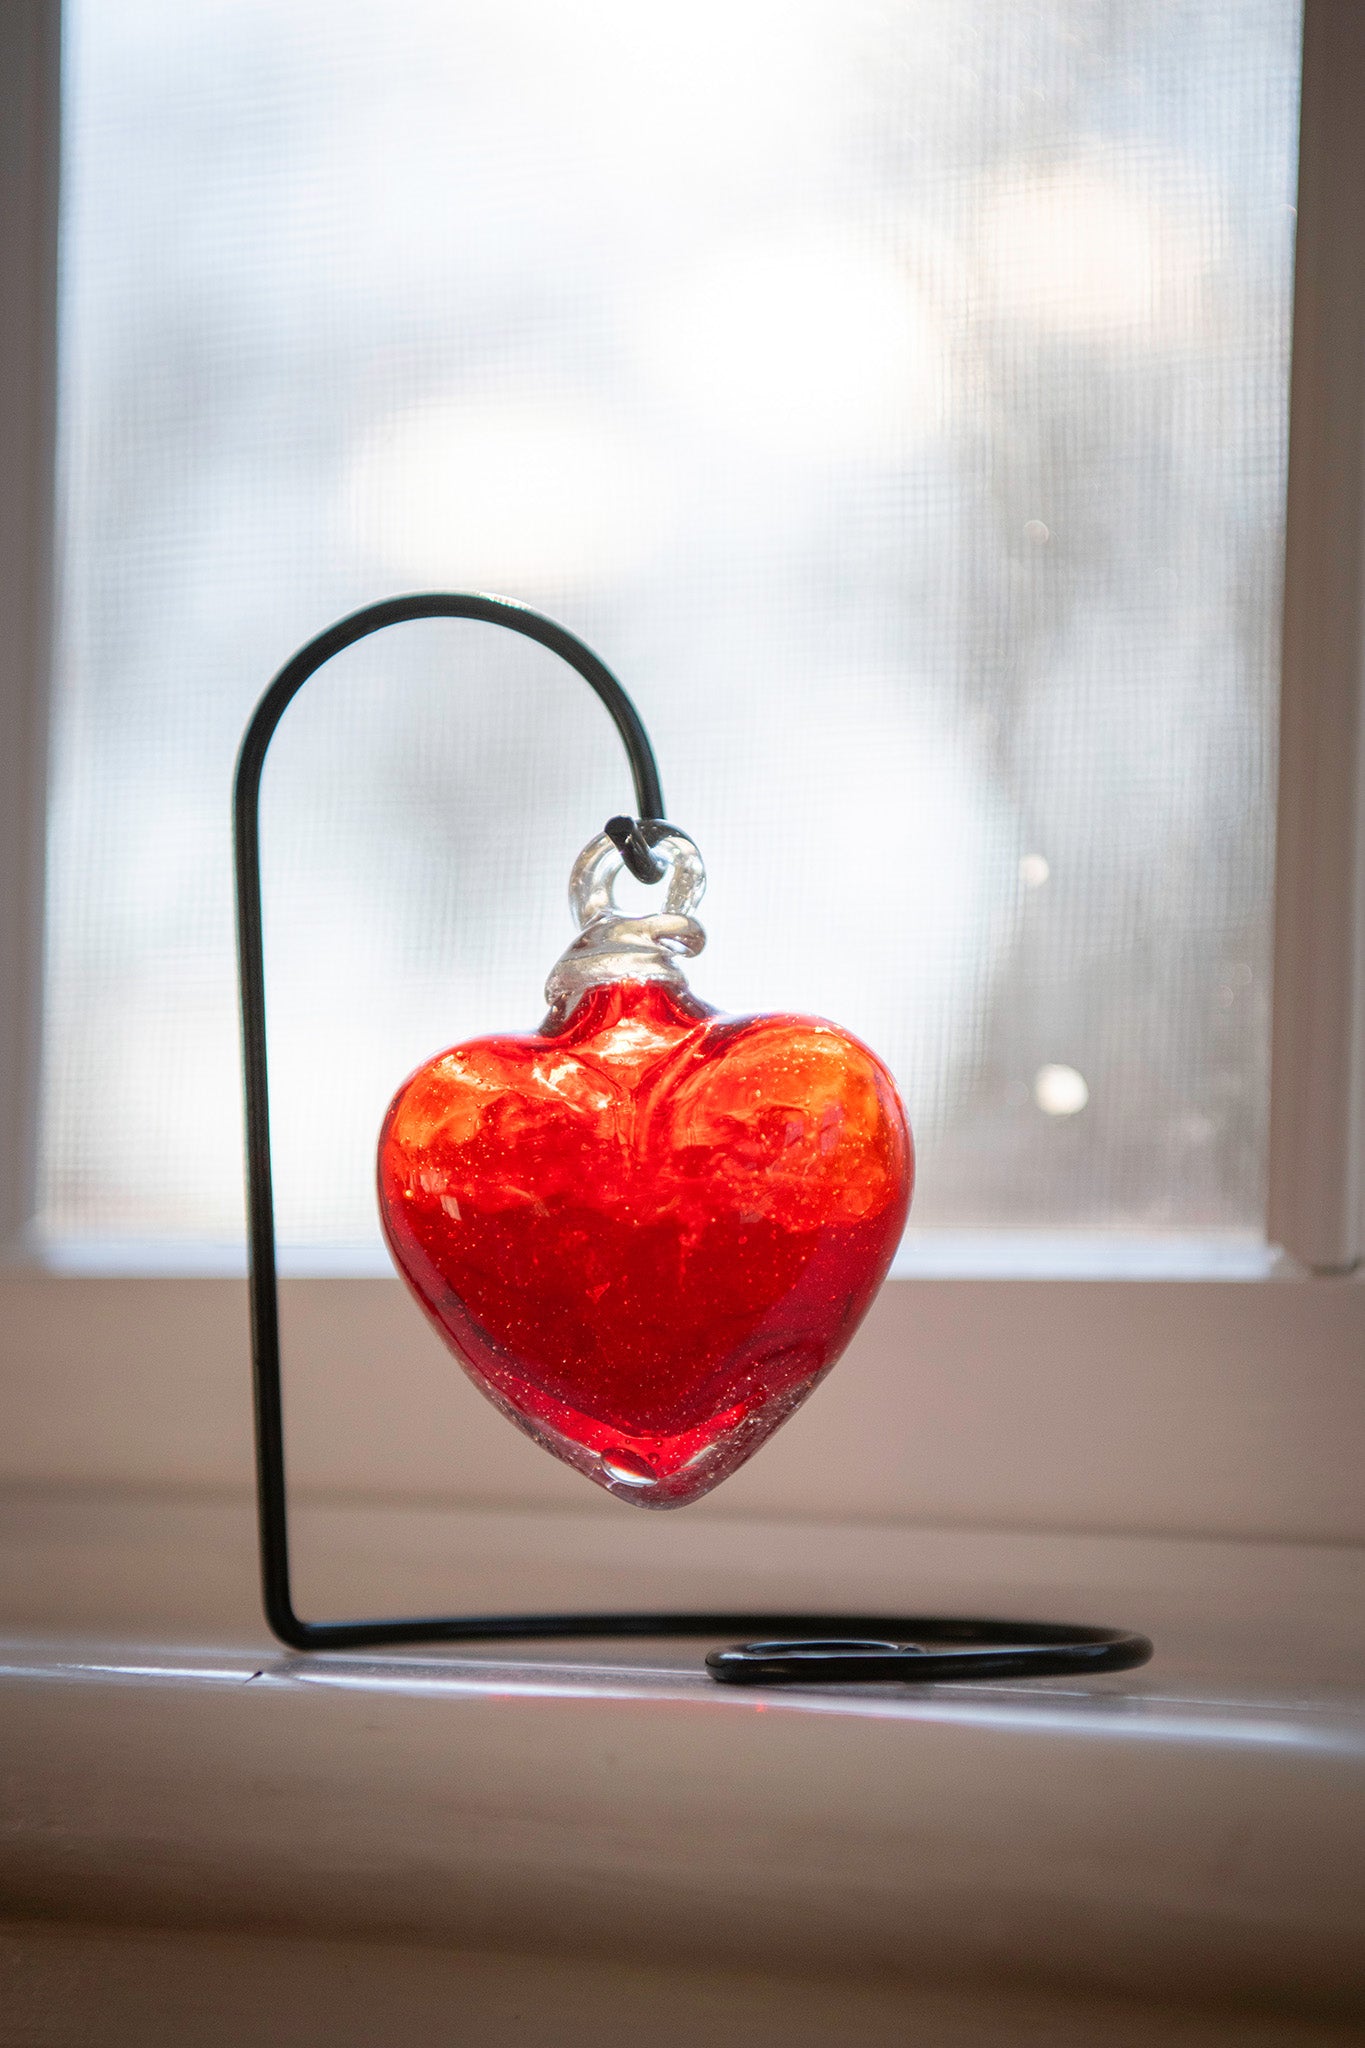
{"x":894,"y":394}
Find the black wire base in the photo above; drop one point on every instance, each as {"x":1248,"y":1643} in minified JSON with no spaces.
{"x":787,"y":1648}
{"x":806,"y":1649}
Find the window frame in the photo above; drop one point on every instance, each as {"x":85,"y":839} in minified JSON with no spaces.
{"x":1316,"y":1205}
{"x":138,"y":1379}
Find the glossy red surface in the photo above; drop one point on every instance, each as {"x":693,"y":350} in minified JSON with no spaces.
{"x":649,"y":1231}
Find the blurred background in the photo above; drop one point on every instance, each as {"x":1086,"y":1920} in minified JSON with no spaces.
{"x":893,"y":394}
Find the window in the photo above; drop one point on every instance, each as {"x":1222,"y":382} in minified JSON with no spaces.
{"x":943,"y":579}
{"x":899,"y":404}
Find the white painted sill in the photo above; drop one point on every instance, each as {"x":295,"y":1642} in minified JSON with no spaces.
{"x":1194,"y":1831}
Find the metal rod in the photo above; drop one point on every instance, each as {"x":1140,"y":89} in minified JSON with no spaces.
{"x":835,"y":1646}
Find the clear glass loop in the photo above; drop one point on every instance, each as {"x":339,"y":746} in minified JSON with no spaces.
{"x":612,"y":945}
{"x":593,"y":881}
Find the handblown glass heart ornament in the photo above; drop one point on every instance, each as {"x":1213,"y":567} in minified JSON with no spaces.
{"x":646,"y":1230}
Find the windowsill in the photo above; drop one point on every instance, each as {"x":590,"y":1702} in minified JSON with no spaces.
{"x":1192,"y":1831}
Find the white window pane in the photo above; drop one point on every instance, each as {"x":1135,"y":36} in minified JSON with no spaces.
{"x":894,"y":394}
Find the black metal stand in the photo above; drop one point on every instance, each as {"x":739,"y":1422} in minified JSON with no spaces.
{"x":835,"y":1647}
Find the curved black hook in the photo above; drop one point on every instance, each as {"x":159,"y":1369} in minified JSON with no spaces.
{"x":441,"y":604}
{"x":632,"y":838}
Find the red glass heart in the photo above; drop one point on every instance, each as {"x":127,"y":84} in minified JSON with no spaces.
{"x":648,"y":1230}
